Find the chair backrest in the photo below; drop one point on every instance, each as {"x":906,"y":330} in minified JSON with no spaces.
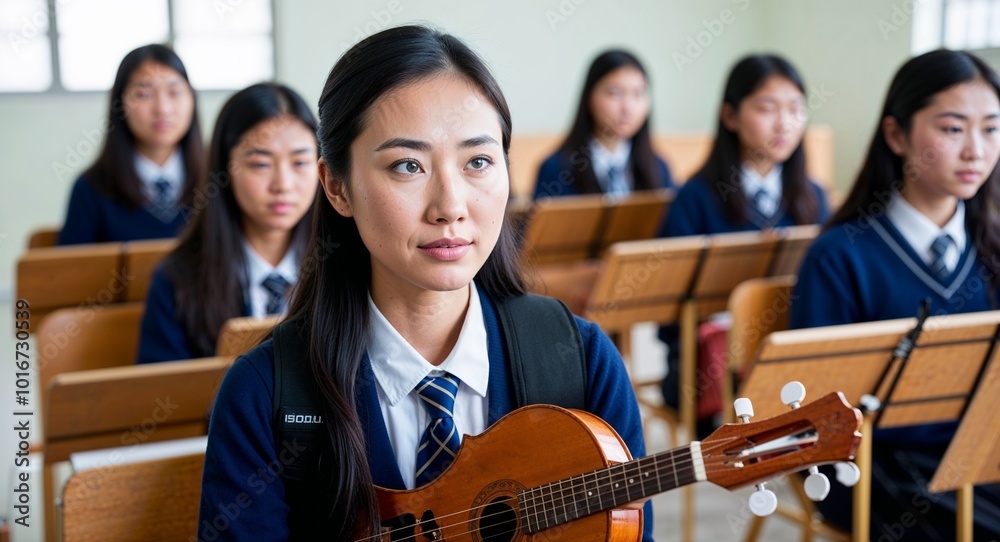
{"x":758,"y":308}
{"x":43,"y":237}
{"x":119,"y":406}
{"x":239,"y":335}
{"x":685,"y":153}
{"x":140,"y":259}
{"x":151,"y":500}
{"x":84,"y":338}
{"x":792,"y":250}
{"x":56,"y":277}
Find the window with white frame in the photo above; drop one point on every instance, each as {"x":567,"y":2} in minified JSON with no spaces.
{"x":77,"y":45}
{"x":956,"y":24}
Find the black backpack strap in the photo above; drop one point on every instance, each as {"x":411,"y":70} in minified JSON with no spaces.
{"x":297,"y":410}
{"x":548,"y":364}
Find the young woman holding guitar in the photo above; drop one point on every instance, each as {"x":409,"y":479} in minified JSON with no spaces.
{"x":401,"y":325}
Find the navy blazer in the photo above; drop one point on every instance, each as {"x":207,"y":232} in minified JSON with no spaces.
{"x":699,"y":209}
{"x":556,"y":175}
{"x":92,"y":217}
{"x":241,"y":439}
{"x":162,"y":338}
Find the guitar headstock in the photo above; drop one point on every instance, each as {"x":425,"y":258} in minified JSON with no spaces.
{"x":824,"y":431}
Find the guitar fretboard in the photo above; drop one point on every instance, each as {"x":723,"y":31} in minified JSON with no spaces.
{"x":611,"y":487}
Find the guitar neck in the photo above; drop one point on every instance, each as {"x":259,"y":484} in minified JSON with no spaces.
{"x":611,"y":487}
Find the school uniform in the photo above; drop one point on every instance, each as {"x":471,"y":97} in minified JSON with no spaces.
{"x":880,"y":268}
{"x":242,"y":439}
{"x":92,"y":217}
{"x":613,"y":169}
{"x":699,"y":207}
{"x":163,"y":338}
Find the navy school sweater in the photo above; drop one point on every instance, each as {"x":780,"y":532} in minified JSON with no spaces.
{"x":92,"y":217}
{"x":242,"y":441}
{"x":556,"y":175}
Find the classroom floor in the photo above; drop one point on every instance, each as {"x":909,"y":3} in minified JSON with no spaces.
{"x":721,"y":515}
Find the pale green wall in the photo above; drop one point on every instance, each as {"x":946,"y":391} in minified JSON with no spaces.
{"x":847,"y":52}
{"x":540,"y":62}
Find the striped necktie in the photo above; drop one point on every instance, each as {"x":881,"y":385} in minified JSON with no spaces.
{"x":276,"y":287}
{"x":440,"y":440}
{"x":938,"y":249}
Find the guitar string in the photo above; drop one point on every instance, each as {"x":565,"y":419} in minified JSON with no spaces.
{"x":463,"y":512}
{"x":550,"y":496}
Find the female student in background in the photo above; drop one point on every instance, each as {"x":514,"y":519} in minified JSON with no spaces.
{"x":242,"y":252}
{"x":151,"y":156}
{"x":416,"y":205}
{"x":755,"y":176}
{"x":609,"y":150}
{"x":920,"y":223}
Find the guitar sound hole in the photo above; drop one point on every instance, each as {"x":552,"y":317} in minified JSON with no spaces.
{"x":498,"y":523}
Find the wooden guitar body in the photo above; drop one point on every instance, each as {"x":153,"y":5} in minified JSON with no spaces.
{"x":475,"y":499}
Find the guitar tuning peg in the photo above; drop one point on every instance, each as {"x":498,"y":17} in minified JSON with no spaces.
{"x":793,"y":393}
{"x":763,"y":502}
{"x":744,"y":409}
{"x":848,"y":473}
{"x":817,"y":485}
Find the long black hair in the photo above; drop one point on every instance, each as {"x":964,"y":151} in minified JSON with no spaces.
{"x":577,"y":142}
{"x":113,"y":173}
{"x":331,"y":298}
{"x":208,"y":267}
{"x":722,"y":169}
{"x":912,"y":89}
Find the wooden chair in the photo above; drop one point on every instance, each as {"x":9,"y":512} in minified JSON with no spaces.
{"x":122,"y":406}
{"x":56,"y":277}
{"x":239,"y":335}
{"x":84,"y":338}
{"x":759,"y":307}
{"x":140,"y":259}
{"x":43,"y":237}
{"x":151,"y":500}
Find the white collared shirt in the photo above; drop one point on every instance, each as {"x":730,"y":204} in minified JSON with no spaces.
{"x":920,"y":232}
{"x":149,"y":172}
{"x":602,"y":159}
{"x":752,"y":182}
{"x":398,"y":368}
{"x":258,"y":269}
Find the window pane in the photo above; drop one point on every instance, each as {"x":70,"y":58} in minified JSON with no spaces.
{"x":979,"y":18}
{"x":956,"y":24}
{"x":25,"y":67}
{"x":210,"y":65}
{"x":25,"y":62}
{"x":95,"y":35}
{"x":246,"y":17}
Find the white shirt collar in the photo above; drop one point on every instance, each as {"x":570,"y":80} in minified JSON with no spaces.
{"x":752,"y":182}
{"x":920,"y":232}
{"x":149,"y":172}
{"x":398,"y":367}
{"x":258,"y":269}
{"x":602,"y":159}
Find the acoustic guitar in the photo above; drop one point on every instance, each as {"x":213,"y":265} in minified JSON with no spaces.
{"x":547,"y":473}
